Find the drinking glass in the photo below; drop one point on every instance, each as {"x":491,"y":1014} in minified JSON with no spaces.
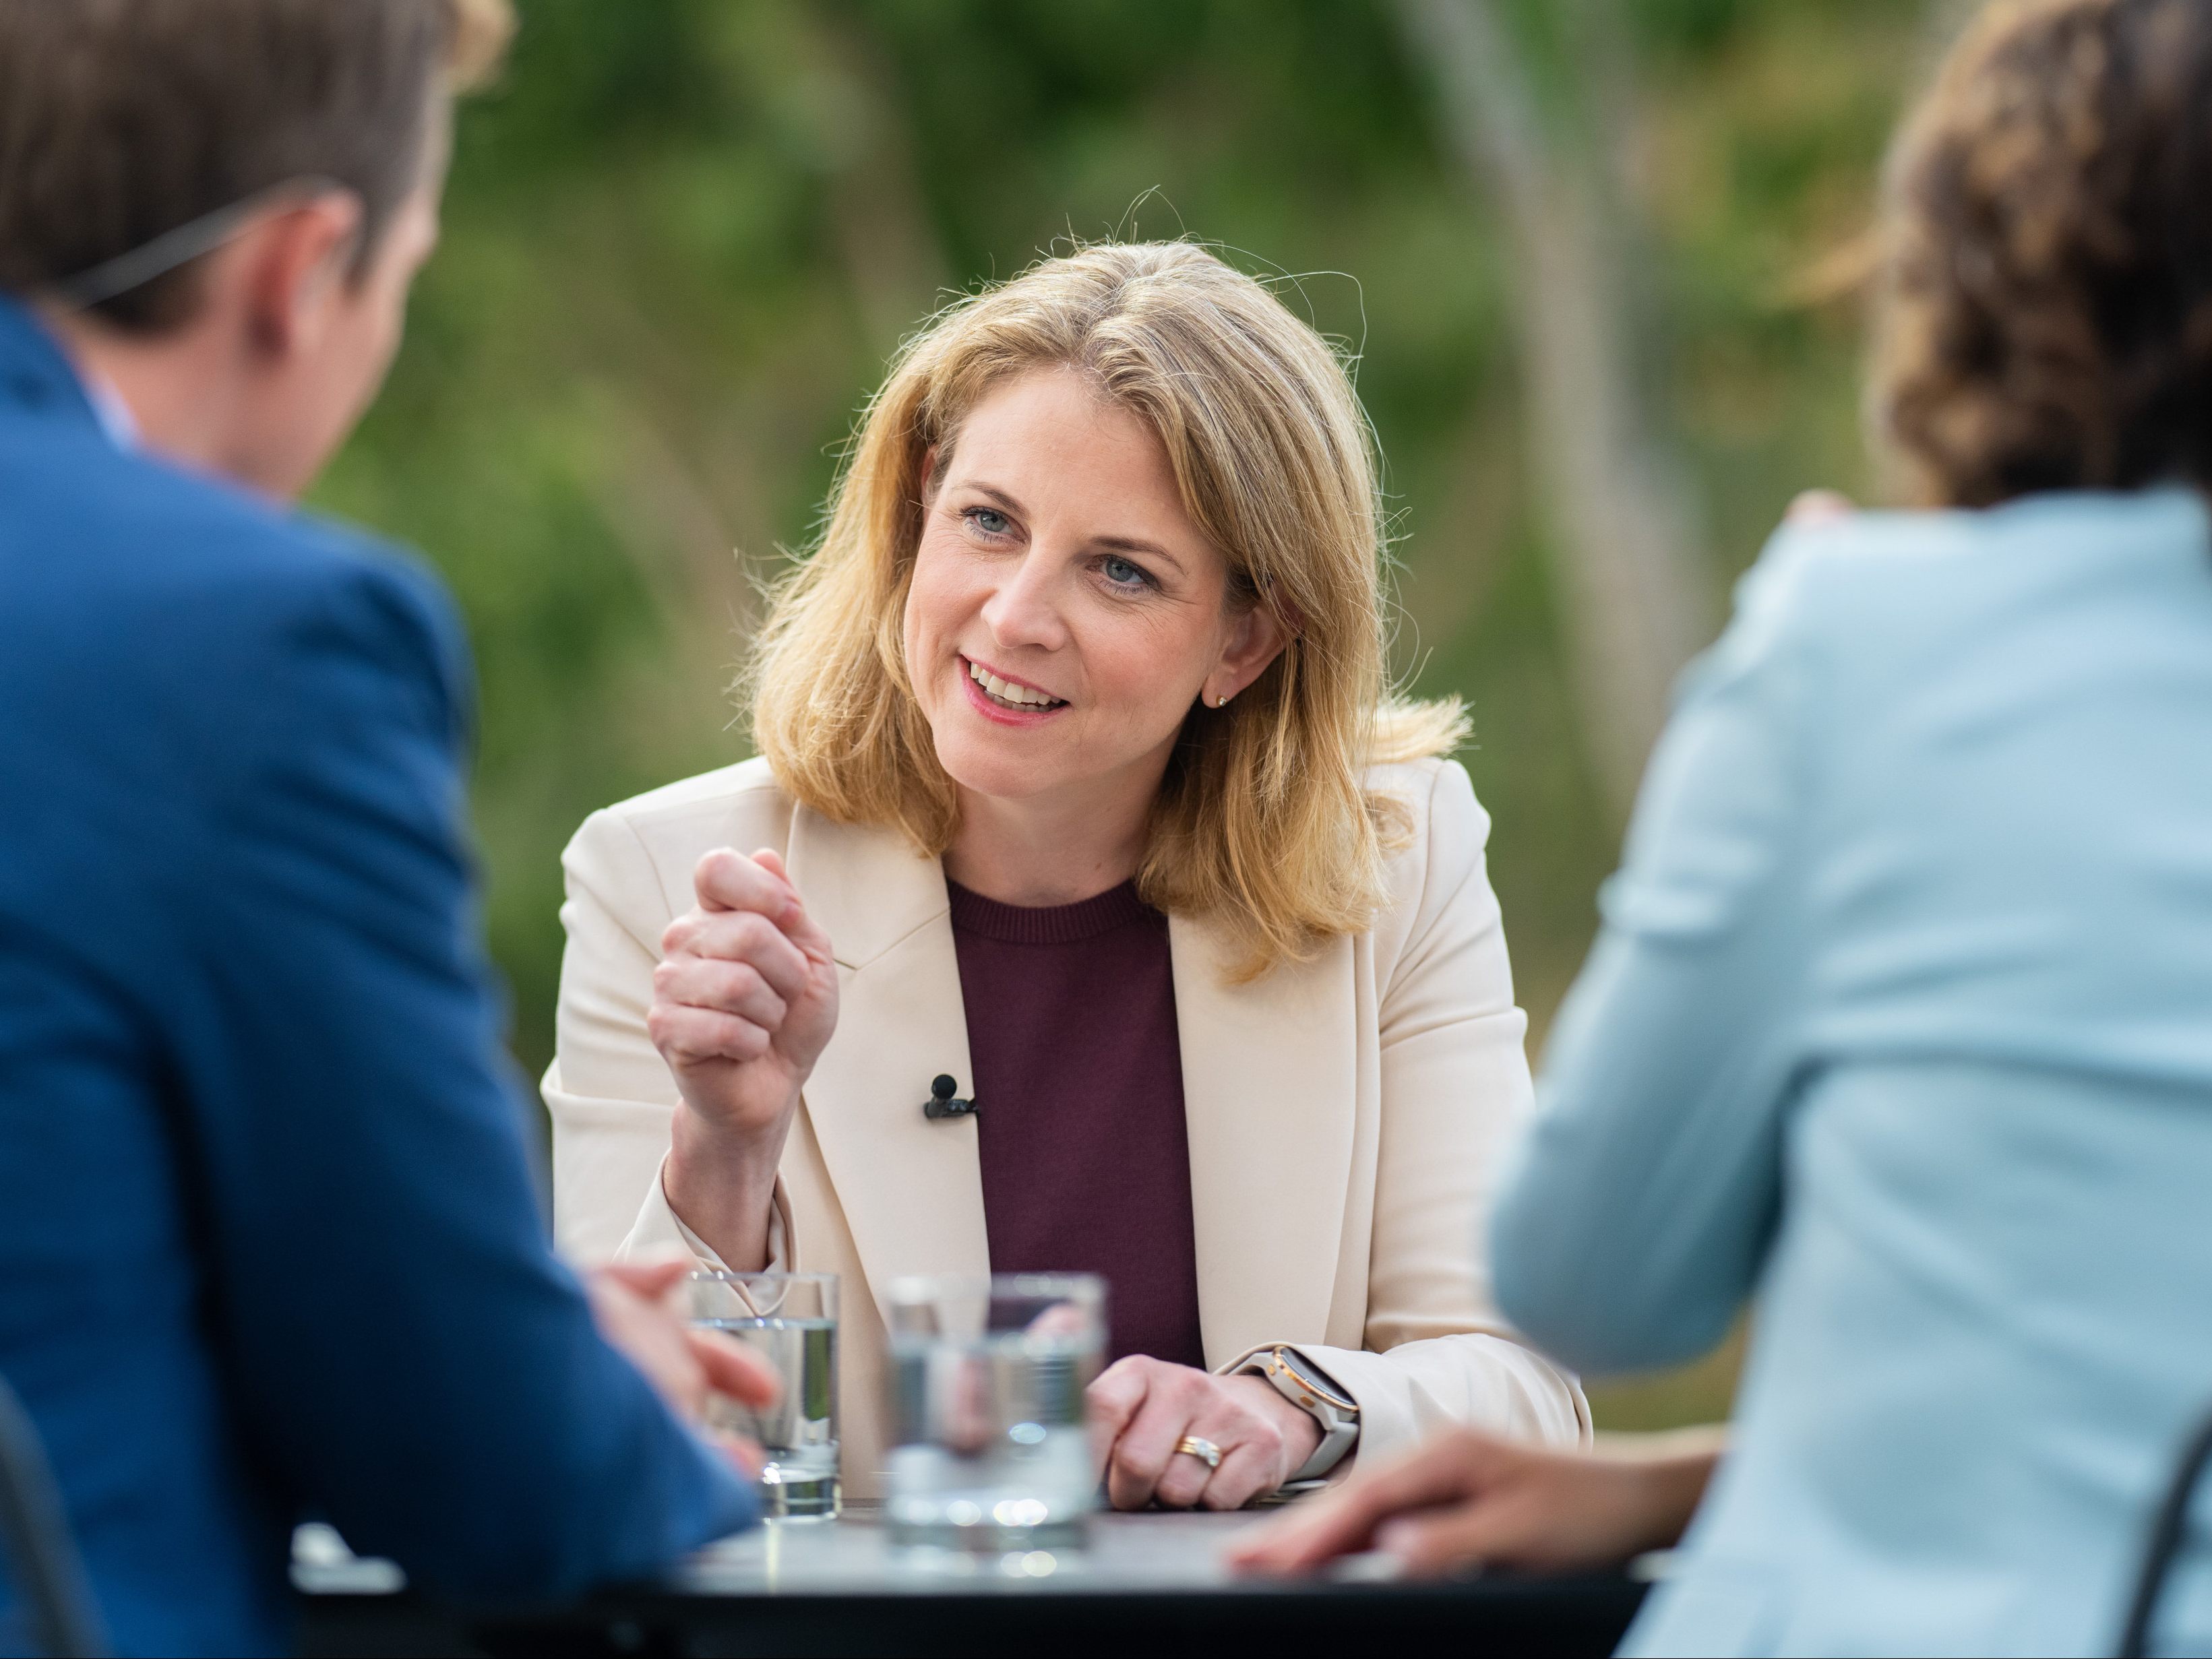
{"x":989,"y":1428}
{"x":790,"y":1320}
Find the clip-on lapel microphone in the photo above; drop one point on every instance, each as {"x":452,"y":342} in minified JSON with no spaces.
{"x":941,"y":1103}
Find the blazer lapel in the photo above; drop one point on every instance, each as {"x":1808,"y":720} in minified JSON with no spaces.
{"x":911,"y":1189}
{"x":1268,"y":1083}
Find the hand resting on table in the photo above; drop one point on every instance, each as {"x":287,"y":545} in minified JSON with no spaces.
{"x":1141,"y":1406}
{"x":1469,"y":1499}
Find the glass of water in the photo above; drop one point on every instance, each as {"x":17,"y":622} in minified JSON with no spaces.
{"x":990,"y":1443}
{"x":790,"y":1320}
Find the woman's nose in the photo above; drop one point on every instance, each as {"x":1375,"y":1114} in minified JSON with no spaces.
{"x":1025,"y":607}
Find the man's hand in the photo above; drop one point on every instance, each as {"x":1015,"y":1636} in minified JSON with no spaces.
{"x":1141,"y":1406}
{"x":686,"y":1367}
{"x":1471,"y":1499}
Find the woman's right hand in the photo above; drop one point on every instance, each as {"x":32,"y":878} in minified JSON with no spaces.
{"x":743,"y":1000}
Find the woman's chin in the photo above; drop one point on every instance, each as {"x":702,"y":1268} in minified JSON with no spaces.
{"x":996,"y":777}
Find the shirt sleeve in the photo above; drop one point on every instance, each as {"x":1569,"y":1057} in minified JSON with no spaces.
{"x":409,"y":1351}
{"x":1636,"y":1218}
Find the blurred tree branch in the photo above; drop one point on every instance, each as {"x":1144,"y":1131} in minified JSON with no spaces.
{"x":876,"y":203}
{"x":1635,"y":593}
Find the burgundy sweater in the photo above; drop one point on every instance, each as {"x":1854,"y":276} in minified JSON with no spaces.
{"x":1079,"y":1105}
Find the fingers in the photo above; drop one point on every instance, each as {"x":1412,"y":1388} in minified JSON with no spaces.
{"x":725,"y":879}
{"x":1114,"y":1399}
{"x":650,"y":1279}
{"x":650,"y":1338}
{"x":692,"y":1034}
{"x":749,"y":1459}
{"x":1184,"y":1476}
{"x":1145,"y":1449}
{"x":721,"y":987}
{"x":1246,"y":1472}
{"x":733,"y":1369}
{"x":1449,"y":1541}
{"x":1343,"y":1522}
{"x":746,"y":937}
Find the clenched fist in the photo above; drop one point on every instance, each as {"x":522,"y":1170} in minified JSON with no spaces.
{"x":743,"y":1000}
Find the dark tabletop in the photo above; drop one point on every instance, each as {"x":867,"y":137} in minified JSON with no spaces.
{"x":1146,"y":1584}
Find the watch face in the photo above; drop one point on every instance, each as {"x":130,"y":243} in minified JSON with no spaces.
{"x":1324,"y":1391}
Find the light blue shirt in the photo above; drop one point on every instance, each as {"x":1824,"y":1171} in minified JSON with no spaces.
{"x":1901,"y":1021}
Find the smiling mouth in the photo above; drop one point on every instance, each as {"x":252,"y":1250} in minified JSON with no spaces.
{"x":1011,"y":693}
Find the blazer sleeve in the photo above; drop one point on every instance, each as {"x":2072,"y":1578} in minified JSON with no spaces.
{"x":608,"y":1092}
{"x":1648,"y":1189}
{"x":1455,"y":1089}
{"x":408,"y":1351}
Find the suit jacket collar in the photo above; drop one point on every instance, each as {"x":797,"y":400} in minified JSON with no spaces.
{"x":36,"y":377}
{"x":911,"y":1189}
{"x":1268,"y":1074}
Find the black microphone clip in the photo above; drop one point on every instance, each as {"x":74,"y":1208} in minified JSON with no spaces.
{"x":941,"y":1103}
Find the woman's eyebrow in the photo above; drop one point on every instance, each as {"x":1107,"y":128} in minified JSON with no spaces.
{"x":995,"y":493}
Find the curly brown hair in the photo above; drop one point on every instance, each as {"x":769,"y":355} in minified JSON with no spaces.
{"x":2045,"y":315}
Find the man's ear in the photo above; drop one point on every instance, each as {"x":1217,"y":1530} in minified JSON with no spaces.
{"x":297,"y":264}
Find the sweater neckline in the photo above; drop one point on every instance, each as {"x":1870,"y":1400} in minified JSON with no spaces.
{"x":1049,"y":924}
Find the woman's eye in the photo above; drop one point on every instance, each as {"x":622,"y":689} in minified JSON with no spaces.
{"x":1123,"y":574}
{"x":987,"y":520}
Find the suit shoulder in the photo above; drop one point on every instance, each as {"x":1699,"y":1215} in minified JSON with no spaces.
{"x":1432,"y":796}
{"x":211,"y":559}
{"x":1435,"y":834}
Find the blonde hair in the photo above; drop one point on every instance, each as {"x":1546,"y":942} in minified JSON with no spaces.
{"x":1264,"y":825}
{"x":481,"y":32}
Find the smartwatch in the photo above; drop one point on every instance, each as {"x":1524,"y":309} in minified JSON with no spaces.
{"x":1311,"y":1389}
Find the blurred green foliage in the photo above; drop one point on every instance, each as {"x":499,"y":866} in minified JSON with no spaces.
{"x":684,"y":235}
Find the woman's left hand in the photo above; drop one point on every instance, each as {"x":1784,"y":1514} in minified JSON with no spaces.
{"x":1141,"y":1407}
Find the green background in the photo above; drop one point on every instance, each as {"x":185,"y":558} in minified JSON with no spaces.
{"x":684,"y":235}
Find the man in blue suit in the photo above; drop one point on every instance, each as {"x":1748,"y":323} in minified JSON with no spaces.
{"x":268,"y":1244}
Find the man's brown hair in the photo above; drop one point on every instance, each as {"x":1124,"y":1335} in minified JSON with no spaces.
{"x":2047,"y":317}
{"x":123,"y":120}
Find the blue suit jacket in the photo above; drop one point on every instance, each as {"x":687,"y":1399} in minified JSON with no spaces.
{"x":269,"y":1244}
{"x":1901,"y":1020}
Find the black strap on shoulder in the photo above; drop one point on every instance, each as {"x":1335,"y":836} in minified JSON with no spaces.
{"x":2167,"y":1535}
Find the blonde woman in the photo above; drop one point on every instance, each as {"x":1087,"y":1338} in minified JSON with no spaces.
{"x":1079,"y":782}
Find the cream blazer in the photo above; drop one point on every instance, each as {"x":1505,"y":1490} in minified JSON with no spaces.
{"x":1345,"y":1115}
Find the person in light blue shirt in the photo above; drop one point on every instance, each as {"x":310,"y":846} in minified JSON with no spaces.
{"x":1901,"y":1022}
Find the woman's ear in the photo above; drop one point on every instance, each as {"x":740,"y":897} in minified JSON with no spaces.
{"x":1257,"y":637}
{"x":928,"y":472}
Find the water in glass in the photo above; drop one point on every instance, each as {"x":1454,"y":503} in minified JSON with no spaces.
{"x":990,"y":1446}
{"x":790,"y":1320}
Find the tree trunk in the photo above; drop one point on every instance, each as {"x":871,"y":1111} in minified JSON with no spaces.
{"x":1637,"y":598}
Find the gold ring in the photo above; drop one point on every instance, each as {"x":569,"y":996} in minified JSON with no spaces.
{"x":1204,"y":1450}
